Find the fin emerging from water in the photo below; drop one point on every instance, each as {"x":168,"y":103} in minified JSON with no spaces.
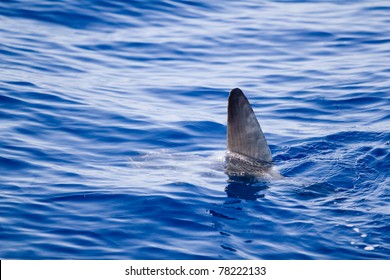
{"x":244,"y":134}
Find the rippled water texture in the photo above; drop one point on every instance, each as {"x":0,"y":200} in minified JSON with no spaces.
{"x":113,"y":129}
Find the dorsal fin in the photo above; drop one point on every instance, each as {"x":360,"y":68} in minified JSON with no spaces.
{"x":244,"y":135}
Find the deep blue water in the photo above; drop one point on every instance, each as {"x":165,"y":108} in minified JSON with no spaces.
{"x":113,"y":129}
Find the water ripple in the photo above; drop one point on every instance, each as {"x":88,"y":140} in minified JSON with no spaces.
{"x":113,"y":121}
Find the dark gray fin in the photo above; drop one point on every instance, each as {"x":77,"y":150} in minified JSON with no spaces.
{"x":244,"y":134}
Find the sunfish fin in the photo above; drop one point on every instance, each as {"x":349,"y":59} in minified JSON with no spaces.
{"x":244,"y":134}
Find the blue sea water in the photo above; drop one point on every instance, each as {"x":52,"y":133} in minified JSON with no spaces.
{"x":113,"y":129}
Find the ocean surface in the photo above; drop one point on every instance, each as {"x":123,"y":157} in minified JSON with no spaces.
{"x":113,"y":129}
